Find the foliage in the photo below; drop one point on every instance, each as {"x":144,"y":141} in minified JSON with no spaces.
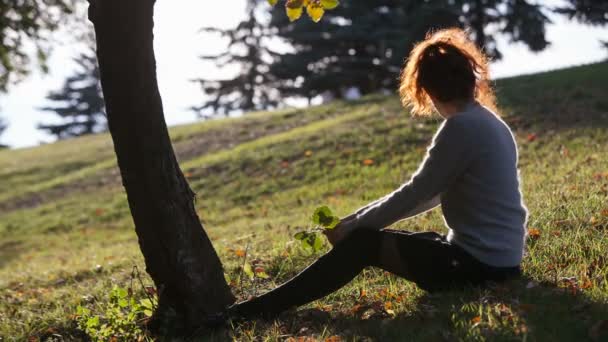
{"x":119,"y":318}
{"x":24,"y":22}
{"x":322,"y":217}
{"x":314,"y":8}
{"x":586,"y":11}
{"x":80,"y":102}
{"x":252,"y":87}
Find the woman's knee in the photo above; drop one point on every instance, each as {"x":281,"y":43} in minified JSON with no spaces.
{"x":363,"y":238}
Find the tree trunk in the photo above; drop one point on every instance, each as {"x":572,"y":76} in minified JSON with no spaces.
{"x":178,"y":254}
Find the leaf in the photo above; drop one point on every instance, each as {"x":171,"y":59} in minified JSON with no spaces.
{"x":315,"y":11}
{"x":533,"y":233}
{"x":368,"y":162}
{"x":330,"y":4}
{"x":239,"y":252}
{"x":272,"y":2}
{"x":122,"y":293}
{"x":293,"y":13}
{"x":262,"y":275}
{"x":146,"y":303}
{"x":293,"y":8}
{"x":308,"y":153}
{"x":323,"y":217}
{"x":248,"y":270}
{"x":123,"y":303}
{"x":310,"y":240}
{"x":531,"y":137}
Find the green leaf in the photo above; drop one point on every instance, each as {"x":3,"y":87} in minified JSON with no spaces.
{"x":146,"y":303}
{"x":248,"y":270}
{"x":310,"y":240}
{"x":148,"y":313}
{"x":92,"y":322}
{"x":262,"y":275}
{"x":324,"y":217}
{"x":122,"y":293}
{"x":272,"y":2}
{"x":123,"y":303}
{"x":330,"y":4}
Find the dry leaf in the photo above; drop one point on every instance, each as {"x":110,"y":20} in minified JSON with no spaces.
{"x":533,"y":233}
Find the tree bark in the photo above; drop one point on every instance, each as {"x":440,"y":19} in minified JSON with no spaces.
{"x":178,"y":254}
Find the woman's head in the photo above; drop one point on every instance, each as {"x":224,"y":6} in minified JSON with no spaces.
{"x":445,"y":68}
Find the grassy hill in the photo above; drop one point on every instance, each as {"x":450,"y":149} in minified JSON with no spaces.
{"x":66,"y":235}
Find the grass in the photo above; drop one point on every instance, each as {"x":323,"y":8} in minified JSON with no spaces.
{"x":66,"y":236}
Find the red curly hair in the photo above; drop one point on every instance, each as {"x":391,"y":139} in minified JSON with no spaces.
{"x":448,"y":66}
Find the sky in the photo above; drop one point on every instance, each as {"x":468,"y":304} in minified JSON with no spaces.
{"x":178,"y":63}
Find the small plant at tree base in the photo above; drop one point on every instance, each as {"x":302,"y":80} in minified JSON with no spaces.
{"x":314,"y":8}
{"x":323,"y":218}
{"x":120,"y":318}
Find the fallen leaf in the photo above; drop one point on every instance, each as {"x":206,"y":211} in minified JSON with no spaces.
{"x":533,"y":233}
{"x":308,"y":153}
{"x":476,"y":320}
{"x":362,"y":293}
{"x":531,"y":137}
{"x":368,"y":162}
{"x":334,"y":338}
{"x":284,"y":164}
{"x":239,"y":252}
{"x":605,"y":212}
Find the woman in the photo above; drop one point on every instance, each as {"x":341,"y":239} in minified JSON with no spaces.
{"x":470,"y":169}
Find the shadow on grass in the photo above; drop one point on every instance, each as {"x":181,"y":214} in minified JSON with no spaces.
{"x":519,"y":310}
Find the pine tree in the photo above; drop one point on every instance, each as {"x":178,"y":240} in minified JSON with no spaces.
{"x":252,"y":87}
{"x":79,"y":103}
{"x":363,"y":44}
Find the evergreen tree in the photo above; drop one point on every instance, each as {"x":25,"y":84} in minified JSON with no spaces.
{"x":23,"y":22}
{"x":79,"y":103}
{"x":362,"y":44}
{"x":252,"y":87}
{"x":593,"y":12}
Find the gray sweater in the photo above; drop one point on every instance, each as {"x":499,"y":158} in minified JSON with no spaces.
{"x":471,"y":170}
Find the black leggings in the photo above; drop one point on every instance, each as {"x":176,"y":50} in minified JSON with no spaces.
{"x":426,"y":259}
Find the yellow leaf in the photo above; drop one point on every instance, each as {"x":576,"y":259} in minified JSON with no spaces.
{"x":330,"y":4}
{"x":315,"y":11}
{"x":308,"y":153}
{"x":293,"y":13}
{"x":272,"y":2}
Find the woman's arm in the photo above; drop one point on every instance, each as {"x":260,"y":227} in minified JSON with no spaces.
{"x":446,"y":159}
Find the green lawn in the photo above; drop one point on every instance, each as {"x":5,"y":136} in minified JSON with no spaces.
{"x":66,"y":236}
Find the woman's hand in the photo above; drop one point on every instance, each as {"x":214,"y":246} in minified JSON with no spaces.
{"x":338,"y":233}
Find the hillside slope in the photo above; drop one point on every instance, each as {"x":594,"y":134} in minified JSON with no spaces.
{"x":66,"y":235}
